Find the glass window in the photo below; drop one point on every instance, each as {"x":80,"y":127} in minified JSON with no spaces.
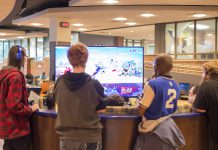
{"x":130,"y":43}
{"x":17,"y":42}
{"x":6,"y":49}
{"x":24,"y":44}
{"x":46,"y":47}
{"x":205,"y":36}
{"x":74,"y":38}
{"x":39,"y":48}
{"x":185,"y":37}
{"x":170,"y":38}
{"x":205,"y":56}
{"x":1,"y":51}
{"x":33,"y":47}
{"x":11,"y":43}
{"x":185,"y":57}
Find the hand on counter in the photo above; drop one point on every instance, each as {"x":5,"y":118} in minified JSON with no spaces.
{"x":35,"y":107}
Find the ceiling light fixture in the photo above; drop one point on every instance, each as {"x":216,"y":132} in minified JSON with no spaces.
{"x":2,"y":34}
{"x":2,"y":39}
{"x":120,"y":19}
{"x":109,"y":33}
{"x":199,"y":15}
{"x":81,"y":29}
{"x":36,"y":24}
{"x":132,"y":31}
{"x":147,"y":15}
{"x":110,"y":1}
{"x":77,"y":24}
{"x":131,"y":23}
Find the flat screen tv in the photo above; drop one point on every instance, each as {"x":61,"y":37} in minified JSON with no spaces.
{"x":184,"y":88}
{"x":118,"y":69}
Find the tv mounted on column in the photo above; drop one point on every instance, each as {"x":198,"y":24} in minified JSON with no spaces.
{"x":118,"y":69}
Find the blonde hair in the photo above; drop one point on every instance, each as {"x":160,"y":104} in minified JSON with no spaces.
{"x":211,"y":68}
{"x":78,"y":55}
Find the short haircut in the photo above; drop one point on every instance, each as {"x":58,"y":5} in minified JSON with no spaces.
{"x":12,"y":57}
{"x":211,"y":68}
{"x":78,"y":55}
{"x":165,"y":60}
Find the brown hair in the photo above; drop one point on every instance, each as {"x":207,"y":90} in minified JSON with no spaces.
{"x":211,"y":69}
{"x":78,"y":55}
{"x":12,"y":57}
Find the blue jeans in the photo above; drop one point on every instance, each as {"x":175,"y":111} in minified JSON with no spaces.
{"x":67,"y":144}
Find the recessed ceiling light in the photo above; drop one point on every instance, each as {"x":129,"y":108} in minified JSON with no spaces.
{"x":120,"y":19}
{"x":77,"y":24}
{"x":36,"y":24}
{"x":20,"y":37}
{"x":147,"y":15}
{"x":2,"y":39}
{"x":81,"y":29}
{"x":199,"y":26}
{"x":199,"y":15}
{"x":109,"y":33}
{"x":131,"y":23}
{"x":209,"y":34}
{"x":2,"y":34}
{"x":110,"y":1}
{"x":132,"y":31}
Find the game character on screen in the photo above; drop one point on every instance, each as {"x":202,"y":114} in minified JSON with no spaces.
{"x":159,"y":100}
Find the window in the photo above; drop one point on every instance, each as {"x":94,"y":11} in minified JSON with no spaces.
{"x":185,"y":37}
{"x":24,"y":44}
{"x":170,"y":38}
{"x":11,"y":43}
{"x":1,"y":51}
{"x":205,"y":36}
{"x":46,"y":47}
{"x":6,"y":49}
{"x":33,"y":47}
{"x":39,"y":48}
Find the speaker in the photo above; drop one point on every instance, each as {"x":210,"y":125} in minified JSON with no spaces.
{"x":19,"y":53}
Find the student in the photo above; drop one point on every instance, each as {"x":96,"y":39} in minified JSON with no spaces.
{"x":78,"y":99}
{"x":159,"y":100}
{"x":29,"y":79}
{"x":207,"y":100}
{"x":15,"y":111}
{"x":192,"y":94}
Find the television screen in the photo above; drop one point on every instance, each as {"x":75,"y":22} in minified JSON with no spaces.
{"x":184,"y":88}
{"x":118,"y":69}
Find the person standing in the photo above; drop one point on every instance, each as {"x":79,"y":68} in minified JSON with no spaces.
{"x":14,"y":108}
{"x":159,"y":100}
{"x":207,"y":100}
{"x":78,"y":98}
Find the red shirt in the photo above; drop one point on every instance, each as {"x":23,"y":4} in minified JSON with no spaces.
{"x":14,"y":109}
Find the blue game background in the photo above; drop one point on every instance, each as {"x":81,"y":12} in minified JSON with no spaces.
{"x":118,"y":69}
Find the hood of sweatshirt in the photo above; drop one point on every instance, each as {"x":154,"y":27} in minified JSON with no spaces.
{"x":74,"y":81}
{"x":6,"y":70}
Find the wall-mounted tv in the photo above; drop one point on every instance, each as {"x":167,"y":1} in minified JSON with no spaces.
{"x":118,"y":69}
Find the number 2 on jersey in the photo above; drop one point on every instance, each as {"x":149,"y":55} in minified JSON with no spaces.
{"x":172,"y":94}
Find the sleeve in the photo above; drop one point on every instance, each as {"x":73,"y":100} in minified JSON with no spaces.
{"x":100,"y":91}
{"x":14,"y":98}
{"x":148,"y":96}
{"x":201,"y":99}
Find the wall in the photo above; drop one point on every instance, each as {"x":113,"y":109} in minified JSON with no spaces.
{"x":178,"y":77}
{"x":100,"y":40}
{"x":37,"y":67}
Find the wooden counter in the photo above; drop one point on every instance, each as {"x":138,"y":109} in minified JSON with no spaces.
{"x":120,"y":131}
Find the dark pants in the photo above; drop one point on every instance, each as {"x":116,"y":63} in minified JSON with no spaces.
{"x":213,"y":145}
{"x":21,"y":143}
{"x":67,"y":144}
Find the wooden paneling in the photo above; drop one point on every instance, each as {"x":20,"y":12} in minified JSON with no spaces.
{"x":119,"y":133}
